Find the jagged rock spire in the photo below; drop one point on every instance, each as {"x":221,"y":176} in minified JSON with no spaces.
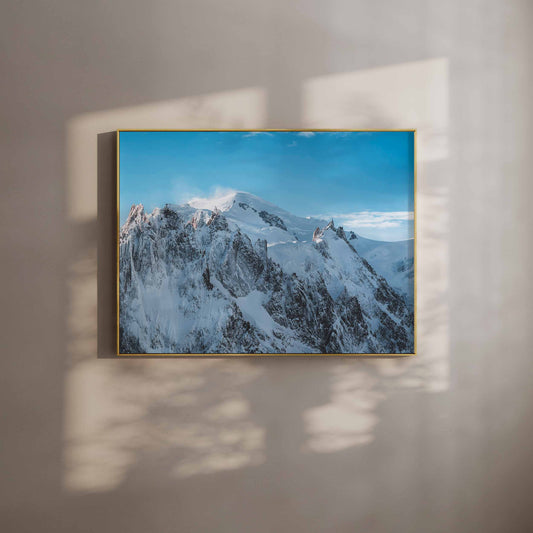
{"x":340,"y":233}
{"x":330,"y":225}
{"x":136,"y":214}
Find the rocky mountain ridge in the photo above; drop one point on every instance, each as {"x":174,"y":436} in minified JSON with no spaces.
{"x":200,"y":280}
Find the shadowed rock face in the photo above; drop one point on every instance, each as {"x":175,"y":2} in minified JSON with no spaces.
{"x":273,"y":220}
{"x":195,"y":284}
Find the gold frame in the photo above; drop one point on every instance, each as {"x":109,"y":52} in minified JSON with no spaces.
{"x":218,"y":355}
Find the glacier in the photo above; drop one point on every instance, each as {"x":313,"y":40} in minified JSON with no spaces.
{"x":238,"y":274}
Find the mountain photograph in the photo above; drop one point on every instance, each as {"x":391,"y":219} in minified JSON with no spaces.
{"x":217,"y":270}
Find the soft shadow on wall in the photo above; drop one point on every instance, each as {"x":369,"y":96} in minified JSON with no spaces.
{"x":150,"y":423}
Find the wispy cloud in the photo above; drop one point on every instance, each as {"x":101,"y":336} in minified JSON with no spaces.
{"x":292,"y":144}
{"x":370,"y":219}
{"x":216,"y":195}
{"x":255,"y":133}
{"x":306,"y":134}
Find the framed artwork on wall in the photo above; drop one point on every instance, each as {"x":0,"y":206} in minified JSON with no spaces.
{"x":266,"y":242}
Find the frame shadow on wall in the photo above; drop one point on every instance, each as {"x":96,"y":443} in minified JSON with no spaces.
{"x":106,"y":245}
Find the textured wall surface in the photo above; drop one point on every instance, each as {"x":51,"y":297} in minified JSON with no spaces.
{"x":440,"y":442}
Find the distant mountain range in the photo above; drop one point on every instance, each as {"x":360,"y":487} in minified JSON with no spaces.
{"x":240,"y":275}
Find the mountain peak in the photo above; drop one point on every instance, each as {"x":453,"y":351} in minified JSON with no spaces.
{"x":225,"y":201}
{"x":317,"y":235}
{"x":136,"y":214}
{"x":331,"y":225}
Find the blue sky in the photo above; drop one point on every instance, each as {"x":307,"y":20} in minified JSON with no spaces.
{"x":363,"y":180}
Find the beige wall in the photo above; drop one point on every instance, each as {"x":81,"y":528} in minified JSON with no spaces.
{"x":437,"y":443}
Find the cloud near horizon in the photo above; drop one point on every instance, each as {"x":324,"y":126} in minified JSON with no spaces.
{"x":370,"y":219}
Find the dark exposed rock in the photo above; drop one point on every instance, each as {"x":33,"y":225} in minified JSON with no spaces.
{"x":238,"y":335}
{"x":207,"y":279}
{"x":217,"y":222}
{"x":273,"y":220}
{"x":368,"y":266}
{"x":246,"y":206}
{"x":129,"y":343}
{"x":340,"y":233}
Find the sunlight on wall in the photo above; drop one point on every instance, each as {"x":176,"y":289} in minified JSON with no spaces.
{"x":243,"y":108}
{"x":186,"y":415}
{"x":349,"y":418}
{"x":119,"y":412}
{"x":404,"y":96}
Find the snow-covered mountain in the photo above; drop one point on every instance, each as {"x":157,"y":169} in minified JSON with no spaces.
{"x":241,"y":275}
{"x":392,"y":260}
{"x":260,"y":219}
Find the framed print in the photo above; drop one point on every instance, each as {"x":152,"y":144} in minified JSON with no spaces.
{"x":270,"y":242}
